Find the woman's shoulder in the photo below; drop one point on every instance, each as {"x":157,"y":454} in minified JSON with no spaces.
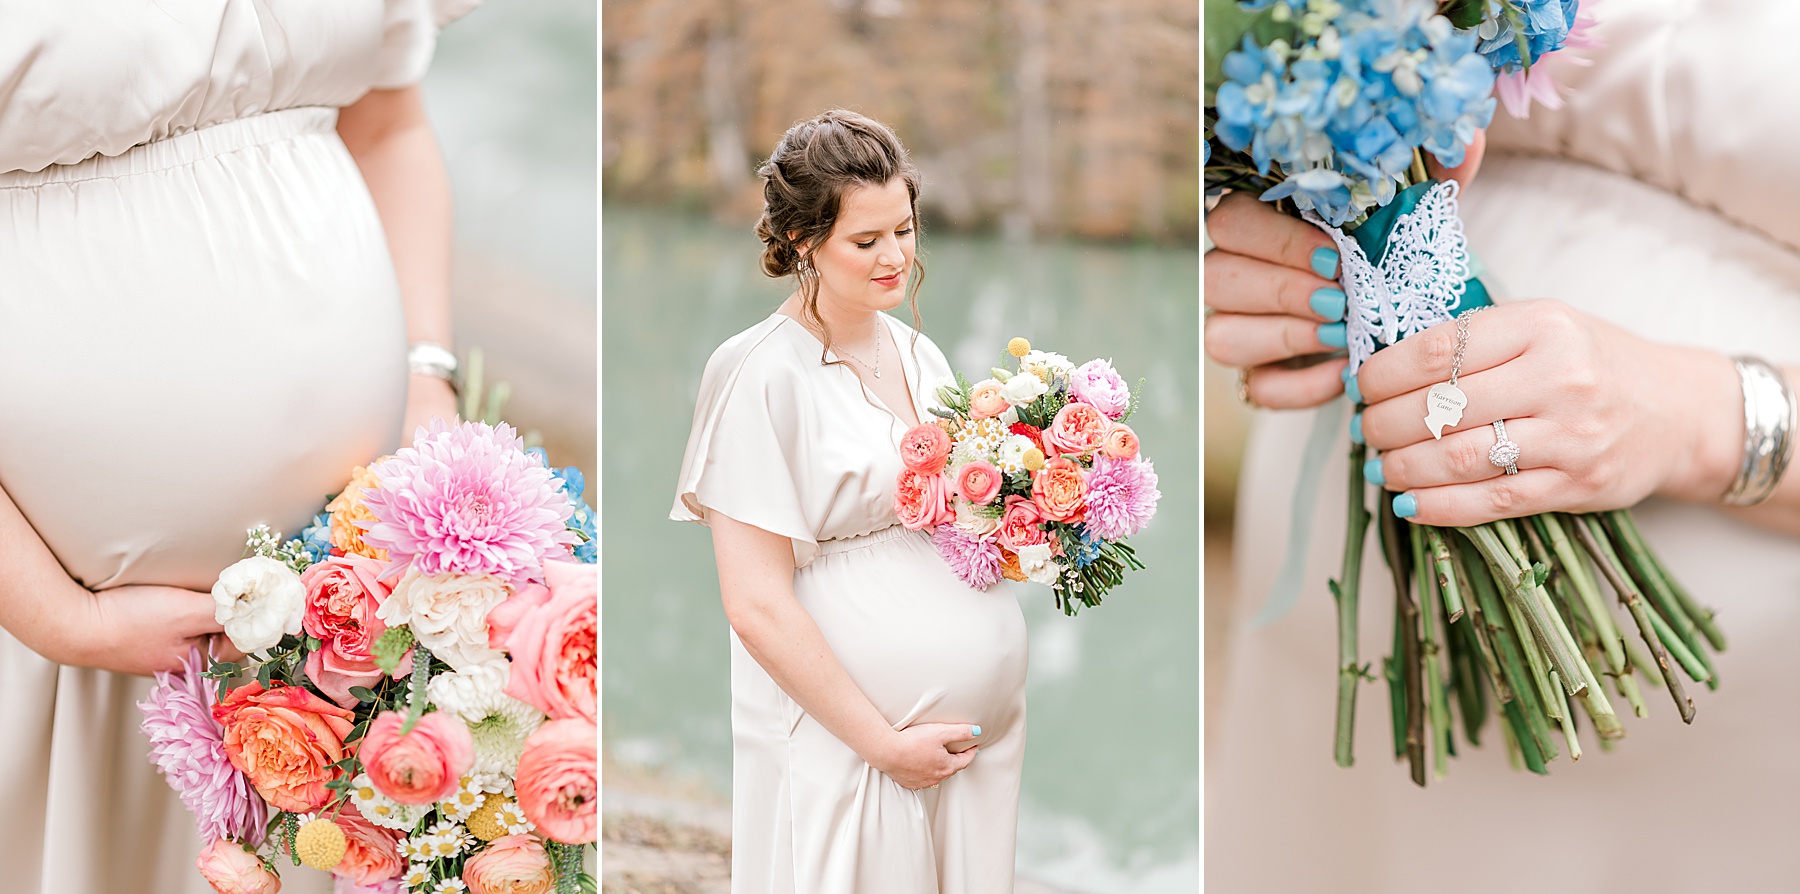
{"x":765,"y":354}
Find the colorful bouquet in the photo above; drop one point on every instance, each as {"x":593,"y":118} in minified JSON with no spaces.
{"x":418,"y":709}
{"x":1031,"y":475}
{"x":1329,"y":107}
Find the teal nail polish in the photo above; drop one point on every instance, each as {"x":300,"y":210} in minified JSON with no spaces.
{"x":976,"y":731}
{"x":1334,"y":335}
{"x":1325,"y":262}
{"x":1405,"y":506}
{"x":1372,"y":472}
{"x":1328,"y":303}
{"x":1356,"y":429}
{"x":1351,"y":389}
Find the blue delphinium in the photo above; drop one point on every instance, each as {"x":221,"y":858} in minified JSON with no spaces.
{"x":1547,"y":24}
{"x":581,"y":517}
{"x":1339,"y":114}
{"x":315,"y":538}
{"x":1087,"y":550}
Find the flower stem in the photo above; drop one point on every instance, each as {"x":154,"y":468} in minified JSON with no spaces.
{"x":1431,"y":668}
{"x":1409,"y":660}
{"x":1699,"y":615}
{"x":1440,"y":558}
{"x":1593,"y":538}
{"x":1344,"y":591}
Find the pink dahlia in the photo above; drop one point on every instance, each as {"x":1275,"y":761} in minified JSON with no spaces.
{"x":974,"y":559}
{"x":189,"y":750}
{"x":1121,"y":497}
{"x":1517,"y":89}
{"x":468,"y":500}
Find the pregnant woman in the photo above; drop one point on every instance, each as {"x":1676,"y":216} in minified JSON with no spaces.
{"x":878,"y":702}
{"x":221,"y":224}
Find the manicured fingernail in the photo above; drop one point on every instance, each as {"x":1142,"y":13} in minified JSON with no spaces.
{"x":1328,"y":303}
{"x":975,"y":731}
{"x":1333,"y":335}
{"x":1405,"y":506}
{"x":1325,"y":262}
{"x":1351,"y":389}
{"x":1372,"y":472}
{"x":1356,"y":429}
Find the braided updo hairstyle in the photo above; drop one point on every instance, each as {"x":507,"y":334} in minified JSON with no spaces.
{"x":804,"y":182}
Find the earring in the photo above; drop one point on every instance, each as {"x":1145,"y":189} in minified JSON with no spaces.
{"x":805,"y":267}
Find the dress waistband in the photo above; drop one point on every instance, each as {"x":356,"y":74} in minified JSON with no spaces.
{"x":184,"y":148}
{"x":864,"y":541}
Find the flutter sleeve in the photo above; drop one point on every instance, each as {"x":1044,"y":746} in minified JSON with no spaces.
{"x":748,"y":453}
{"x":409,"y":38}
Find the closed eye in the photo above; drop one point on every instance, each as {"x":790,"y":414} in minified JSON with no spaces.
{"x":871,"y":242}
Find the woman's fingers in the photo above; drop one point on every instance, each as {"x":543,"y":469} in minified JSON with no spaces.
{"x":1496,"y":335}
{"x":1281,"y":388}
{"x":1245,"y":340}
{"x":1506,"y":496}
{"x":1504,"y":392}
{"x":1462,"y":457}
{"x":1242,"y":224}
{"x":1241,"y":284}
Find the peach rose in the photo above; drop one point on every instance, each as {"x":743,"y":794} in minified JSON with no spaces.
{"x":1019,"y":524}
{"x":558,"y":780}
{"x":424,"y":765}
{"x":232,"y":870}
{"x":1060,"y":489}
{"x":924,"y":448}
{"x":284,"y":740}
{"x":371,"y":853}
{"x":516,"y":864}
{"x":1079,"y":429}
{"x":922,"y":500}
{"x":552,"y":631}
{"x":987,"y":399}
{"x":1009,"y":566}
{"x":979,"y":482}
{"x":342,"y":596}
{"x":348,"y":508}
{"x":1121,"y":442}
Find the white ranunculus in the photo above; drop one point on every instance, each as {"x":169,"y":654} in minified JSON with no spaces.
{"x":972,"y":522}
{"x":448,"y":613}
{"x":1023,"y":389}
{"x":1010,"y":455}
{"x":1009,"y":418}
{"x":258,"y":600}
{"x":1038,"y":565}
{"x":1056,"y":364}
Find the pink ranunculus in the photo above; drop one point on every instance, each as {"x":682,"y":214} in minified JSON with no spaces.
{"x":558,"y":781}
{"x":1020,"y":525}
{"x":422,"y":766}
{"x":514,"y":864}
{"x":924,"y":448}
{"x":232,"y":870}
{"x":1078,"y":429}
{"x":922,"y":500}
{"x":285,"y":741}
{"x":552,"y":632}
{"x":342,"y":596}
{"x":1097,"y":384}
{"x":1121,"y":442}
{"x":341,"y":885}
{"x":987,"y":400}
{"x":371,"y":854}
{"x":979,"y":482}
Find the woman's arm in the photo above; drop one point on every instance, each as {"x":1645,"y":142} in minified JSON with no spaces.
{"x":756,"y":574}
{"x":389,"y":137}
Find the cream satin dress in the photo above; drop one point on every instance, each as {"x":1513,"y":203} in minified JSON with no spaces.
{"x":1663,"y":198}
{"x":200,"y":331}
{"x":792,"y":446}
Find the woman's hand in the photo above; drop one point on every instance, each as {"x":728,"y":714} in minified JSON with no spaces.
{"x":1602,"y":418}
{"x":137,"y":630}
{"x":427,"y":397}
{"x":920,"y":756}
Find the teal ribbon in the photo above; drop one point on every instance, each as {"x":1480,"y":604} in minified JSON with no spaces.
{"x":1372,"y":237}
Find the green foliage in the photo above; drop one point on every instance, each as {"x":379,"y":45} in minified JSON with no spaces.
{"x":391,"y":647}
{"x":421,"y":674}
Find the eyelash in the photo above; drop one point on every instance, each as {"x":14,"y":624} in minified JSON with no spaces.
{"x":871,"y":242}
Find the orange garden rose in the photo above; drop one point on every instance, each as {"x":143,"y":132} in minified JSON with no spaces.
{"x":1060,"y":489}
{"x":1121,"y":442}
{"x":1079,"y":429}
{"x":923,"y":500}
{"x":986,"y":400}
{"x":558,"y":781}
{"x":232,"y":870}
{"x":516,"y":864}
{"x":347,"y":508}
{"x":924,"y":448}
{"x":284,"y":740}
{"x":422,"y":766}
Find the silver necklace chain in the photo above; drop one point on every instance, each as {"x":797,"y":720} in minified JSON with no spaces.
{"x":876,"y":368}
{"x":1462,"y":341}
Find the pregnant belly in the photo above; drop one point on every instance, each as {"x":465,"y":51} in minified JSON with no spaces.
{"x":196,"y":337}
{"x":922,"y":645}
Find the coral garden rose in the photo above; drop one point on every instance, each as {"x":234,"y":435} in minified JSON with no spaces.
{"x":448,"y":613}
{"x":924,"y":448}
{"x":1060,"y":490}
{"x":232,"y":870}
{"x":558,"y":781}
{"x":350,"y":515}
{"x":552,"y":633}
{"x":343,"y":594}
{"x":1020,"y":524}
{"x":1121,"y":442}
{"x":515,"y":864}
{"x":284,"y":740}
{"x":1096,"y":383}
{"x":1078,"y":429}
{"x":987,"y":399}
{"x":258,"y":600}
{"x":422,"y":766}
{"x":371,"y":853}
{"x":922,"y":501}
{"x":979,"y":482}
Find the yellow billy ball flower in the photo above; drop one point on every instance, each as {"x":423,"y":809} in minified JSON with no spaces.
{"x":1034,"y":459}
{"x":320,"y":844}
{"x":1018,"y":347}
{"x":485,"y":822}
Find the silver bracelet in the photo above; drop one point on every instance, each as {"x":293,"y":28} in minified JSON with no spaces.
{"x":1770,"y":417}
{"x":435,"y":360}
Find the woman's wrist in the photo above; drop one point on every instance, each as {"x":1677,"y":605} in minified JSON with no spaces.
{"x":1708,"y":404}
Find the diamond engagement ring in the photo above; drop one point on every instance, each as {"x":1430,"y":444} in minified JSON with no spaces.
{"x":1504,"y":453}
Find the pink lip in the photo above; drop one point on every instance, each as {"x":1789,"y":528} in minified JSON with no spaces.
{"x":890,"y":281}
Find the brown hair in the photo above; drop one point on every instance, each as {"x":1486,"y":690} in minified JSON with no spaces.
{"x":804,"y":182}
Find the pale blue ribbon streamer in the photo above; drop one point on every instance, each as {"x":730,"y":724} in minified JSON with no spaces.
{"x":1327,"y":424}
